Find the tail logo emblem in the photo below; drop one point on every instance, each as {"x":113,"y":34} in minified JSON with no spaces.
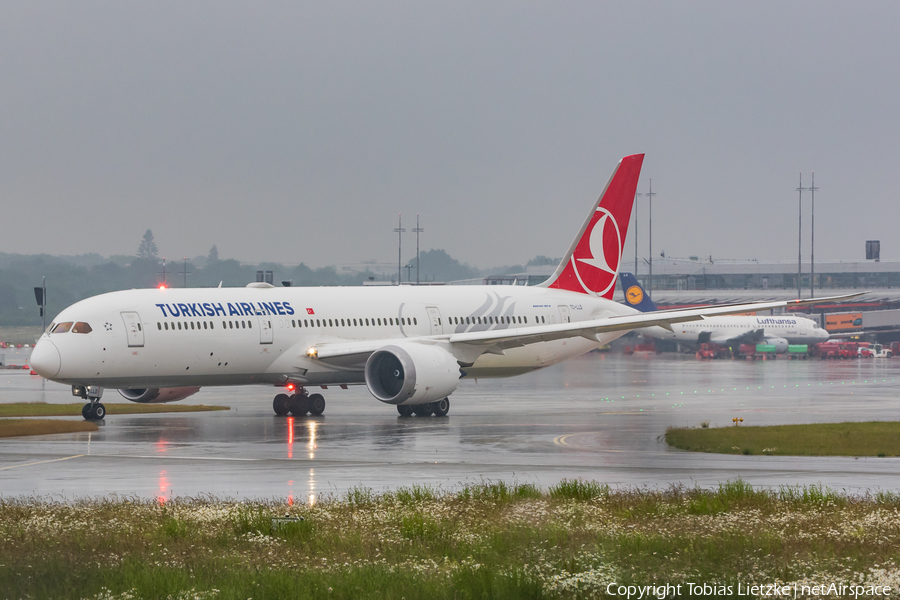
{"x":595,"y":272}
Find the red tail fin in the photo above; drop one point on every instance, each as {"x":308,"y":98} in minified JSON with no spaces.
{"x":592,"y":262}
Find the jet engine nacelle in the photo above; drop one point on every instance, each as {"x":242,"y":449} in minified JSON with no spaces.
{"x":158,"y":395}
{"x":411,"y":374}
{"x":781,"y":344}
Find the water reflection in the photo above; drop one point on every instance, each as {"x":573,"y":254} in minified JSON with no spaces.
{"x":164,"y":488}
{"x":290,"y":432}
{"x":311,"y":445}
{"x":311,"y":485}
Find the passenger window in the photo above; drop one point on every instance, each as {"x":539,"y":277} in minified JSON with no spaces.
{"x":249,"y":324}
{"x":318,"y":323}
{"x":230,"y":324}
{"x":204,"y":325}
{"x":139,"y":327}
{"x":192,"y":324}
{"x":159,"y":326}
{"x":354,"y":322}
{"x":167,"y":326}
{"x":179,"y":325}
{"x":63,"y":327}
{"x":329,"y":323}
{"x":415,"y":321}
{"x":542,"y":320}
{"x":367,"y":322}
{"x":212,"y":325}
{"x":224,"y":325}
{"x":342,"y":323}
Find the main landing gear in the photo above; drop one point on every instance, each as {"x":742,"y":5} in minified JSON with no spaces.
{"x":438,"y":409}
{"x":299,"y":404}
{"x":93,"y":410}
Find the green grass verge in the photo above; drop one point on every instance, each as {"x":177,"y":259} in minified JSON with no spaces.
{"x":41,"y":409}
{"x":20,"y":427}
{"x":493,"y":540}
{"x":872,"y":438}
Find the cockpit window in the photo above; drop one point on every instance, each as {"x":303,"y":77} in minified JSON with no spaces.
{"x":81,"y":327}
{"x":63,"y":327}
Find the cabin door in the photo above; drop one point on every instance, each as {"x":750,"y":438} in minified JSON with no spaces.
{"x":434,"y":317}
{"x":564,"y":314}
{"x":266,"y":335}
{"x":133,"y":329}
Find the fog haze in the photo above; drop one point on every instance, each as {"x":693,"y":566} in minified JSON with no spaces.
{"x":296,"y":132}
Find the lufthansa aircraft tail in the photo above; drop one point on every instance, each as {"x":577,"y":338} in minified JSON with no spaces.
{"x":635,"y":296}
{"x":592,"y":261}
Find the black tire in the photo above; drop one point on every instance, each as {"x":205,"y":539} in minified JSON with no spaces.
{"x":405,"y":410}
{"x":423,"y":410}
{"x":281,"y":404}
{"x":316,"y":404}
{"x":98,"y":412}
{"x":299,"y":405}
{"x":441,"y":407}
{"x":86,"y":412}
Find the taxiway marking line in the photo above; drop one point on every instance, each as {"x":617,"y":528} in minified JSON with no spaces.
{"x":40,"y":462}
{"x":561,"y":440}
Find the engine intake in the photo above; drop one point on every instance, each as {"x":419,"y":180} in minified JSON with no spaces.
{"x":411,"y":374}
{"x":158,"y":395}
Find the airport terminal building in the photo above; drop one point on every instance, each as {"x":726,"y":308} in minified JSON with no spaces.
{"x":694,"y":281}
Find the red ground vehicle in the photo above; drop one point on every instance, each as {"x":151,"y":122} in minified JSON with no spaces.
{"x":712,"y":351}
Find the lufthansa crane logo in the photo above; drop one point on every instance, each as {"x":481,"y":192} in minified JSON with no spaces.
{"x":634,"y":295}
{"x":596,"y":258}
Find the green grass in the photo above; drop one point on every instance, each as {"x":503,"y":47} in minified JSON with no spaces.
{"x":493,"y":540}
{"x":873,"y":438}
{"x":23,"y":427}
{"x":41,"y":409}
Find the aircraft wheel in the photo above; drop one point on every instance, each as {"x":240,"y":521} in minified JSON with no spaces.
{"x":423,"y":410}
{"x":405,"y":410}
{"x":98,"y":411}
{"x":441,"y":407}
{"x":298,"y":405}
{"x":316,"y":404}
{"x":86,"y":411}
{"x":281,"y":404}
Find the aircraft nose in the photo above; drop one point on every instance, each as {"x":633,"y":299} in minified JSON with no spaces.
{"x":45,"y":359}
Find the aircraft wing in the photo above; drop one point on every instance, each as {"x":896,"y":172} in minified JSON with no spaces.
{"x":466,"y":347}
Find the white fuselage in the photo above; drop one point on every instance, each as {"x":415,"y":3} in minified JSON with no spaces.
{"x":796,"y":330}
{"x":231,"y":336}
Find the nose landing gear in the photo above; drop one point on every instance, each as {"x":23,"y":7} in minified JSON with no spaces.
{"x":93,"y":410}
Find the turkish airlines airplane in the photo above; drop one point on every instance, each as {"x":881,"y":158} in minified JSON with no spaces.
{"x":410,"y":345}
{"x":778,"y":331}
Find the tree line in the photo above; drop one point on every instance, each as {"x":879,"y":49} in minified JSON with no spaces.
{"x":74,"y":278}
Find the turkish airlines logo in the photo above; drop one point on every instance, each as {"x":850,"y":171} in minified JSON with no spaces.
{"x":310,"y":311}
{"x":596,"y":258}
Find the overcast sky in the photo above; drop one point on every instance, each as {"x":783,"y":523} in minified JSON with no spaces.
{"x":296,"y":132}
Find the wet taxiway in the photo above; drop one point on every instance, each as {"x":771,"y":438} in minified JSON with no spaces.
{"x":599,"y":417}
